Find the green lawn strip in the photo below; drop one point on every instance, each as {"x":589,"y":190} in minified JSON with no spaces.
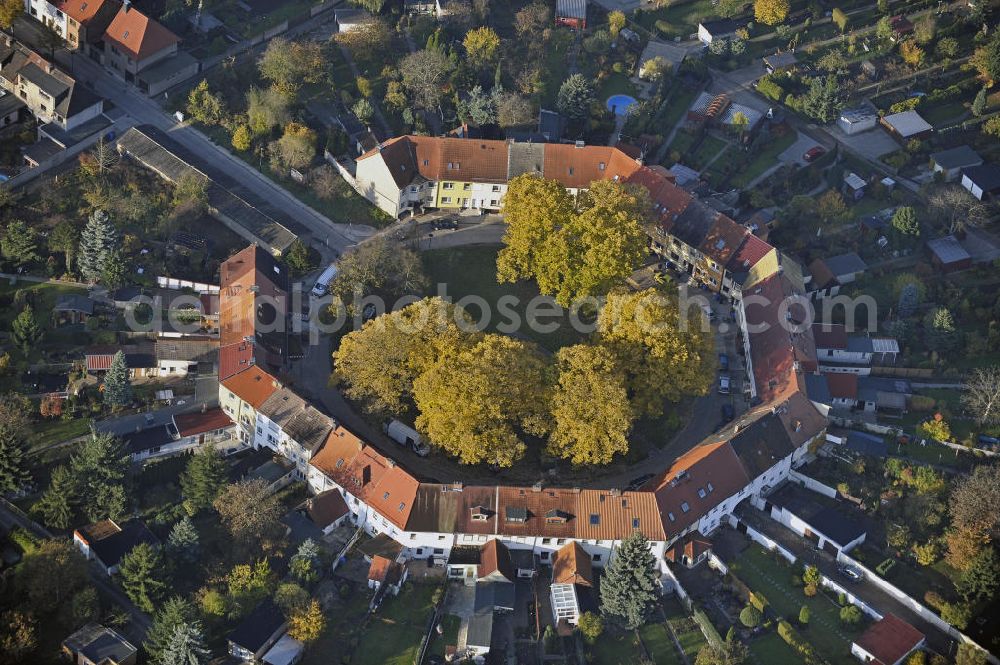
{"x":556,"y":67}
{"x":770,"y":649}
{"x":342,"y":625}
{"x":674,"y":109}
{"x":659,"y":644}
{"x":758,"y":570}
{"x":471,"y":271}
{"x":616,"y":84}
{"x":57,"y":430}
{"x":689,"y":635}
{"x":764,"y":159}
{"x":620,"y":649}
{"x":450,"y":625}
{"x":709,"y":147}
{"x":682,"y":18}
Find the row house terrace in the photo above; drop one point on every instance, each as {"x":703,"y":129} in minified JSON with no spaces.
{"x":408,"y":173}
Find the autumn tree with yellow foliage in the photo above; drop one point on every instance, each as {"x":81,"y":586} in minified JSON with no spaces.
{"x":662,"y":362}
{"x":572,"y":250}
{"x":590,"y":406}
{"x":771,"y":12}
{"x":481,"y":46}
{"x":306,"y":624}
{"x":474,"y":402}
{"x":378,"y":364}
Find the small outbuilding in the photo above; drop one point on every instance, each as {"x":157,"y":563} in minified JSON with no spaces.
{"x":951,"y":162}
{"x":889,"y":641}
{"x":982,"y":181}
{"x":854,"y":186}
{"x":351,"y":18}
{"x":572,"y":13}
{"x":709,"y":31}
{"x":96,"y":645}
{"x":107,"y":543}
{"x":72,"y":308}
{"x":857,"y":120}
{"x":948,"y":255}
{"x":780,"y":62}
{"x":907,"y":125}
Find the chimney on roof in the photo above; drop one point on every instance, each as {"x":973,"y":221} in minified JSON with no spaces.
{"x":366,"y":475}
{"x":537,"y":487}
{"x":615,"y":491}
{"x":576,"y":490}
{"x":579,"y":144}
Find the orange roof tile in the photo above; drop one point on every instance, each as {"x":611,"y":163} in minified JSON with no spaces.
{"x":723,"y":240}
{"x":384,"y":571}
{"x":81,"y":10}
{"x":495,"y":558}
{"x":137,"y":34}
{"x":610,"y":515}
{"x":551,"y":512}
{"x":253,"y":385}
{"x":572,"y":565}
{"x":189,"y":424}
{"x":890,"y":639}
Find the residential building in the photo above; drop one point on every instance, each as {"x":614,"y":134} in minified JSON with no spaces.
{"x":47,"y":13}
{"x":779,"y":62}
{"x":286,"y":651}
{"x":826,"y":523}
{"x":211,"y":427}
{"x":982,"y":181}
{"x":181,"y":356}
{"x":96,"y":645}
{"x":106,"y":542}
{"x":240,"y":396}
{"x":139,"y":358}
{"x":86,"y":22}
{"x":257,"y":633}
{"x":133,"y":42}
{"x":854,"y":392}
{"x":572,"y":590}
{"x":690,"y":550}
{"x":51,"y":95}
{"x":327,"y":510}
{"x":291,"y":426}
{"x":887,"y":642}
{"x":839,"y":351}
{"x":419,"y":7}
{"x":150,"y":442}
{"x":672,"y":55}
{"x":951,"y":162}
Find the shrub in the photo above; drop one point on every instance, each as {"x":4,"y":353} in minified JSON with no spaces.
{"x":664,"y":28}
{"x":750,"y":616}
{"x":804,"y":615}
{"x":917,"y":658}
{"x":796,"y":581}
{"x":934,"y":599}
{"x":922,"y":403}
{"x":794,"y":640}
{"x":850,"y":615}
{"x":841,"y":598}
{"x":759,"y":601}
{"x":770,"y":88}
{"x":840,"y":18}
{"x":957,"y":614}
{"x":809,"y":590}
{"x":24,"y":540}
{"x":884,"y":568}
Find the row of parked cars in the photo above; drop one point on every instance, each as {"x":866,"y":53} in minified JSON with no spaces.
{"x":724,"y":388}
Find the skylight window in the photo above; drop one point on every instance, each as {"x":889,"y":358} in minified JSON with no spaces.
{"x":385,"y":496}
{"x":635,"y":522}
{"x":685,"y":507}
{"x":671,"y":516}
{"x":595,"y":519}
{"x":701,"y":493}
{"x":125,"y":36}
{"x":710,"y":487}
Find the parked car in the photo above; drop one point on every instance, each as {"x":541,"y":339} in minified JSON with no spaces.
{"x":727,"y":413}
{"x":444,"y":224}
{"x":639,"y":481}
{"x":724,"y":384}
{"x":723,"y":362}
{"x":813,"y":153}
{"x":987,"y":440}
{"x":852,"y":574}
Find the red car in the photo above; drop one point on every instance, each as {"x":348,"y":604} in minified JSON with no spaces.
{"x":813,"y":153}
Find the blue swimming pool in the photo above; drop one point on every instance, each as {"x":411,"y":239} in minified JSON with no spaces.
{"x":620,"y":104}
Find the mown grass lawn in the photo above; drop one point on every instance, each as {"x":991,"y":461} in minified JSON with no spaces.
{"x":392,"y":636}
{"x":49,"y":432}
{"x":472,"y":271}
{"x":689,"y":636}
{"x":765,"y":159}
{"x":620,"y":649}
{"x":771,"y":648}
{"x":450,"y":625}
{"x":656,"y":637}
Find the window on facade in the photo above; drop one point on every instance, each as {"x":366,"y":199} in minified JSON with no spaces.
{"x":438,"y":550}
{"x":445,"y":199}
{"x":441,"y":537}
{"x":595,"y":519}
{"x":467,"y":186}
{"x":413,"y":536}
{"x":496,"y":188}
{"x":635,"y":522}
{"x":494,"y":202}
{"x":546,"y":541}
{"x":448,"y":185}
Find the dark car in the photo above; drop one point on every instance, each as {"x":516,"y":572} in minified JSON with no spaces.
{"x":639,"y":481}
{"x":444,"y":224}
{"x":814,"y":153}
{"x":852,"y":574}
{"x":723,"y":362}
{"x":727,"y":413}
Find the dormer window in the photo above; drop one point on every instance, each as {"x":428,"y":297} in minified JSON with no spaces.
{"x":516,"y":514}
{"x":556,"y":517}
{"x":701,"y":493}
{"x":600,"y":166}
{"x":480,"y":514}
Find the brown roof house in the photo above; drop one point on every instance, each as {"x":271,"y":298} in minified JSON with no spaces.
{"x":887,"y":642}
{"x":106,"y":542}
{"x":144,"y":53}
{"x":572,"y":589}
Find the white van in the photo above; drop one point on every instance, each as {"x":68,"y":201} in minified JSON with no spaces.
{"x":323,"y":283}
{"x":405,"y":435}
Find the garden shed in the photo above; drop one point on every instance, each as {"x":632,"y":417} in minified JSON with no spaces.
{"x":948,"y":255}
{"x":572,"y":13}
{"x":907,"y":125}
{"x":951,"y":162}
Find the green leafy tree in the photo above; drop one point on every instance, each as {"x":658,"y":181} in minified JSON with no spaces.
{"x":205,"y":106}
{"x":305,"y":564}
{"x":266,"y":109}
{"x":99,"y":467}
{"x":203,"y":479}
{"x":883,"y":29}
{"x":19,"y":244}
{"x":18,"y":631}
{"x":957,"y":614}
{"x":299,"y":258}
{"x":629,"y":590}
{"x":290,"y":597}
{"x":379,"y":268}
{"x":173,"y":612}
{"x":64,"y":238}
{"x":904,"y":221}
{"x":97,"y":241}
{"x":249,"y":584}
{"x":56,"y":506}
{"x":85,"y":606}
{"x":15,"y":469}
{"x":307,"y":624}
{"x":940,"y":332}
{"x":576,"y":96}
{"x":590,"y":626}
{"x":982,"y":577}
{"x":116,"y":272}
{"x":183,"y":541}
{"x":822,"y":99}
{"x":481,"y":46}
{"x":986,"y":60}
{"x":730,"y":652}
{"x":186,"y":646}
{"x":947,"y":47}
{"x":424,"y":76}
{"x":142,"y":576}
{"x":25,"y":329}
{"x":117,"y":382}
{"x":250,"y":512}
{"x":50,"y":575}
{"x":979,"y":103}
{"x":242,"y":138}
{"x":804,"y":615}
{"x":850,"y":615}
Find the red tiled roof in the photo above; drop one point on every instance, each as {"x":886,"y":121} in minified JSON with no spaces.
{"x":81,"y":10}
{"x":607,"y":514}
{"x":137,"y":34}
{"x":572,"y":565}
{"x":550,"y":512}
{"x":843,"y":386}
{"x":495,"y":557}
{"x":252,"y":385}
{"x":822,"y":276}
{"x":384,"y":571}
{"x":723,"y":240}
{"x":692,"y":545}
{"x":890,"y":639}
{"x":98,"y":362}
{"x":713,"y":469}
{"x":750,"y":252}
{"x":830,"y":335}
{"x":189,"y":424}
